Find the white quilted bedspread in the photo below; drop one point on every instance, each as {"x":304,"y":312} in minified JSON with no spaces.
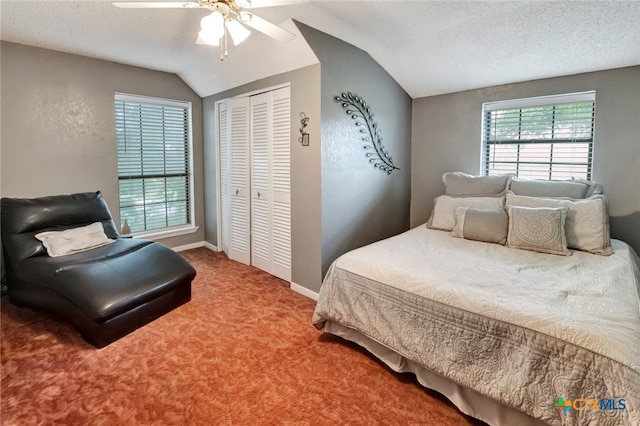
{"x":585,"y":299}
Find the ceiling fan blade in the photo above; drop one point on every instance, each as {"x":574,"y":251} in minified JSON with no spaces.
{"x":266,"y":27}
{"x":156,"y":4}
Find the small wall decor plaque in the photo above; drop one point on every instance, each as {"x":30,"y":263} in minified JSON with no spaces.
{"x":360,"y":112}
{"x":304,"y":136}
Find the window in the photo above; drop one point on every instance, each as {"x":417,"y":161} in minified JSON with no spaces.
{"x":540,"y":138}
{"x":153,"y":142}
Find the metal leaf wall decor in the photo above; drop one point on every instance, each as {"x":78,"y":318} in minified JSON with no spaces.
{"x":360,"y":112}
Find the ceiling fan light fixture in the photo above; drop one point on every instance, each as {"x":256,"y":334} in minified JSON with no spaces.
{"x":203,"y":38}
{"x":227,"y":19}
{"x":212,"y":26}
{"x":238,"y":32}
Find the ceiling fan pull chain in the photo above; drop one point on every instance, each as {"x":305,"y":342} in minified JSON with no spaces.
{"x":226,"y":32}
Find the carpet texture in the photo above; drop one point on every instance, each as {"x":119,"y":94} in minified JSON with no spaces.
{"x":242,"y":352}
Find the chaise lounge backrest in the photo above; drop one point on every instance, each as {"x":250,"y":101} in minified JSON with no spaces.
{"x":23,"y":218}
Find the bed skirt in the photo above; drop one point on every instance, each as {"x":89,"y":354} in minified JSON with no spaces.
{"x":467,"y":400}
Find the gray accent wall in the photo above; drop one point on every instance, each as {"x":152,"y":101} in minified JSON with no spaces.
{"x":305,"y":169}
{"x":360,"y":204}
{"x":338,"y":200}
{"x":58,"y":125}
{"x":446,"y":135}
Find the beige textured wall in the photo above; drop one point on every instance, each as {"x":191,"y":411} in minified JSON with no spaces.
{"x":58,"y":128}
{"x":446,"y":136}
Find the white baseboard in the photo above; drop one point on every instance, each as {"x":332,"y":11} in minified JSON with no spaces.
{"x":304,"y":291}
{"x":188,"y":246}
{"x":195,"y":245}
{"x":210,"y":246}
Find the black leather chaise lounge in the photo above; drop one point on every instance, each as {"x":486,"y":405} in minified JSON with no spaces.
{"x":105,"y":292}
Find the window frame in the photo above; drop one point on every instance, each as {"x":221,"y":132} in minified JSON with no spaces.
{"x":523,"y":103}
{"x":176,"y":230}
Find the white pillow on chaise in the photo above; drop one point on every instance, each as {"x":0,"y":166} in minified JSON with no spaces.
{"x":74,"y":240}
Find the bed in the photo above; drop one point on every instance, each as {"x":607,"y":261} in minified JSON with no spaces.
{"x":509,"y":335}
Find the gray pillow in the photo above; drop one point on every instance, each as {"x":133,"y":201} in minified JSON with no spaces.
{"x":550,"y":188}
{"x":458,"y":183}
{"x":538,"y":229}
{"x":488,"y":225}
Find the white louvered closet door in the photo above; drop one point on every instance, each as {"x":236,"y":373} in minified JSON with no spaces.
{"x":239,"y":183}
{"x":261,"y":182}
{"x":225,"y":201}
{"x":281,"y":183}
{"x":270,"y":183}
{"x":255,"y":190}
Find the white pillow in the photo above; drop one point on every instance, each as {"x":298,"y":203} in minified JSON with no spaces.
{"x":458,"y":183}
{"x":443,"y":215}
{"x":550,"y":188}
{"x":587,"y":224}
{"x":62,"y":243}
{"x":538,"y":229}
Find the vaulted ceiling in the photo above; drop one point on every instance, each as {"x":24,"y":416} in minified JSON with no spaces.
{"x":428,"y":47}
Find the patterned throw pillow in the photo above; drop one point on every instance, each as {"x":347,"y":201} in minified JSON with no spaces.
{"x":538,"y":229}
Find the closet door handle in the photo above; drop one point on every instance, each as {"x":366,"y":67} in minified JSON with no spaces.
{"x":259,"y":195}
{"x":237,"y":191}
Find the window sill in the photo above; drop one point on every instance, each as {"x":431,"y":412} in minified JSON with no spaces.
{"x":158,"y":234}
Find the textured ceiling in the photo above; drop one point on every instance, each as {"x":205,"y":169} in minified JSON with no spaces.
{"x":429,"y":47}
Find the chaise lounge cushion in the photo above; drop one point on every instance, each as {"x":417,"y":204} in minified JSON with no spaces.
{"x":108,"y":280}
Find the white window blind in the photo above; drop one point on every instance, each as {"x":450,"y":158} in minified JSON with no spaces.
{"x":153,"y":140}
{"x":540,"y":138}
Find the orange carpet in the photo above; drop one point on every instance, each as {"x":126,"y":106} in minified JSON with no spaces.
{"x":242,"y":352}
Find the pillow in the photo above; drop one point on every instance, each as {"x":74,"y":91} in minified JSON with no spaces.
{"x":594,"y":188}
{"x":458,"y":183}
{"x":538,"y":229}
{"x":444,"y":209}
{"x":62,"y":243}
{"x":549,"y":188}
{"x":587,"y":225}
{"x":488,"y":225}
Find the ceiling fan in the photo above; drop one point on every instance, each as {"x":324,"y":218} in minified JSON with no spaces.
{"x":227,"y":18}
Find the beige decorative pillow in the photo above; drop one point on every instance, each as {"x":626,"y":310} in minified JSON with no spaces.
{"x":538,"y":229}
{"x":444,"y":209}
{"x":488,"y":225}
{"x":62,"y":243}
{"x":458,"y":183}
{"x":587,"y":225}
{"x":550,"y":188}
